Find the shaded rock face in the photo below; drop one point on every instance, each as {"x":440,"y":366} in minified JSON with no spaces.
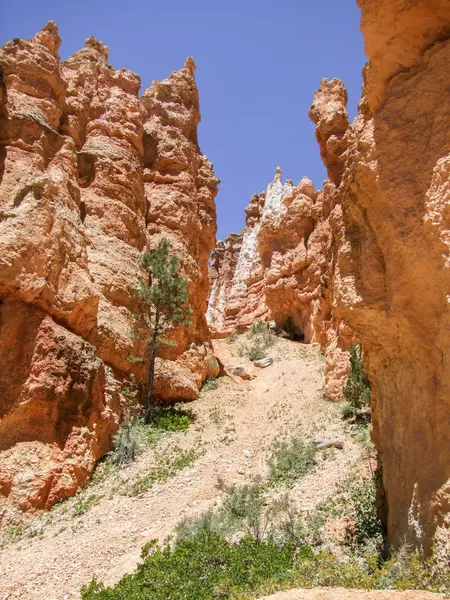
{"x":90,"y":175}
{"x":393,"y":276}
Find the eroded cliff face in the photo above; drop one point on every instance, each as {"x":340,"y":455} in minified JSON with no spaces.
{"x":90,"y":175}
{"x":237,"y":296}
{"x":393,"y":280}
{"x":367,"y":257}
{"x":282,"y":267}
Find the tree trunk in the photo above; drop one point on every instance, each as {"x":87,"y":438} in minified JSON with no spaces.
{"x":151,"y":366}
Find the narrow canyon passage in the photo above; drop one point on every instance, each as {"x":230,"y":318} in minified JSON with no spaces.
{"x":94,"y":172}
{"x":234,"y":429}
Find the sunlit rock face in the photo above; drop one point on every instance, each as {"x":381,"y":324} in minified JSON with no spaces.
{"x":367,"y":257}
{"x":392,"y":280}
{"x":237,"y":296}
{"x":281,"y":267}
{"x":90,"y":175}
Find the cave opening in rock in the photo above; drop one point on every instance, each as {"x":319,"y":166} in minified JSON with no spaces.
{"x":292,"y":330}
{"x":82,"y":211}
{"x":86,"y":168}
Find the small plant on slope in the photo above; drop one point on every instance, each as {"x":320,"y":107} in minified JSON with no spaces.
{"x":357,"y":387}
{"x":258,"y":327}
{"x":164,"y":468}
{"x":209,"y":384}
{"x":290,"y":460}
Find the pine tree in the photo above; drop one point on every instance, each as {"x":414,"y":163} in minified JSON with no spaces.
{"x":163,"y":301}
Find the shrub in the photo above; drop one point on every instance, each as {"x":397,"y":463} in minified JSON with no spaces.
{"x":357,"y":387}
{"x":257,"y":352}
{"x":290,"y":460}
{"x":367,"y":530}
{"x":204,"y":568}
{"x":126,"y":442}
{"x":259,"y":346}
{"x":189,"y":528}
{"x":407,"y":571}
{"x":347,"y":410}
{"x":84,"y":504}
{"x":170,"y":418}
{"x":164,"y":468}
{"x":244,"y":509}
{"x":322,"y":569}
{"x":209,"y":384}
{"x":134,"y":433}
{"x":258,"y":327}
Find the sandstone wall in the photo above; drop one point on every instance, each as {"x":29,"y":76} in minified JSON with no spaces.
{"x":393,"y":280}
{"x":282,"y":266}
{"x":89,"y":176}
{"x":367,"y":258}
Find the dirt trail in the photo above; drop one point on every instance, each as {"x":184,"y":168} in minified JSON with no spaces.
{"x":235,"y":426}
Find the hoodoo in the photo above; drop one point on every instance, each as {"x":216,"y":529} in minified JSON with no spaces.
{"x":89,"y":176}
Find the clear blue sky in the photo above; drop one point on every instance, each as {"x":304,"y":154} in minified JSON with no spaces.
{"x":259,"y":63}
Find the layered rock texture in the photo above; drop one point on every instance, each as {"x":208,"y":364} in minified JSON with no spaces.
{"x":237,"y":295}
{"x":367,"y":257}
{"x":281,"y":268}
{"x":90,"y":175}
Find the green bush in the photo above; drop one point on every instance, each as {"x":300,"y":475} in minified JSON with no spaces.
{"x":232,"y":338}
{"x":259,"y":327}
{"x":205,"y":568}
{"x":191,"y":527}
{"x":170,"y":418}
{"x":134,"y":433}
{"x":126,"y":442}
{"x":257,"y":352}
{"x":258,"y":347}
{"x":290,"y":460}
{"x":347,"y":410}
{"x":244,"y":509}
{"x":209,"y":384}
{"x":406,"y":571}
{"x":366,"y":531}
{"x":357,"y":387}
{"x":82,"y":505}
{"x":165,"y":467}
{"x":209,"y":567}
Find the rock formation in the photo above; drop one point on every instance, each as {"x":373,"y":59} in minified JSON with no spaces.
{"x":393,"y":280}
{"x":237,"y":296}
{"x":368,"y":257}
{"x":89,"y":176}
{"x":289,"y":261}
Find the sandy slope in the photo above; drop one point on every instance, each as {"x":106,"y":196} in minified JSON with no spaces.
{"x":235,"y":426}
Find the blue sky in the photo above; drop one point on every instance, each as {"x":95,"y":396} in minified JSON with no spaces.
{"x":259,"y":63}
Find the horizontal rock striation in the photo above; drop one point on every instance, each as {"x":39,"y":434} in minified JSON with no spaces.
{"x":90,"y":175}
